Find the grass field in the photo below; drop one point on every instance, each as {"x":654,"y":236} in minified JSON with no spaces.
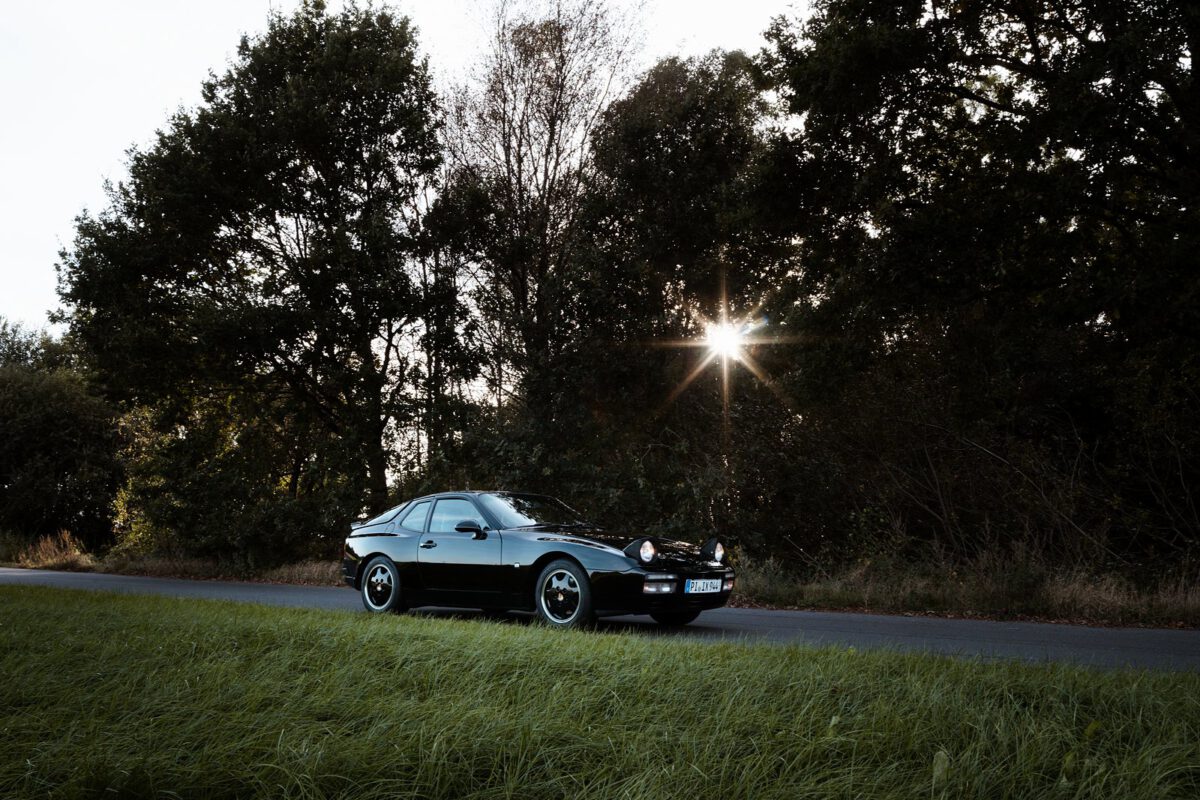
{"x":111,"y":695}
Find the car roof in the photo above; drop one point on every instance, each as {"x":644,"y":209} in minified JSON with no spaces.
{"x":474,"y":492}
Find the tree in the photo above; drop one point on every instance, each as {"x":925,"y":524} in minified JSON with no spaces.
{"x":264,"y":244}
{"x":671,"y":226}
{"x":249,"y":481}
{"x":995,"y":205}
{"x":20,"y":347}
{"x":519,"y":145}
{"x":672,"y":194}
{"x":58,"y":443}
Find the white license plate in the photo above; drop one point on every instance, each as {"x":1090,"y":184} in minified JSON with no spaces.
{"x":702,"y":586}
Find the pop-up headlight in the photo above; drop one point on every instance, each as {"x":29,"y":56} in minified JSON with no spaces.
{"x":647,"y":552}
{"x":643,"y":550}
{"x":713,"y":550}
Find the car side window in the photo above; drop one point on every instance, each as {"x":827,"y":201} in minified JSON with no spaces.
{"x":452,"y":510}
{"x":414,"y":520}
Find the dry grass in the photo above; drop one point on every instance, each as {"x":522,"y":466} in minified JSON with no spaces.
{"x":56,"y":551}
{"x":309,"y":573}
{"x":991,"y":586}
{"x":168,"y":567}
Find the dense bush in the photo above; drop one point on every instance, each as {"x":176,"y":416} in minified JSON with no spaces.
{"x":58,"y":465}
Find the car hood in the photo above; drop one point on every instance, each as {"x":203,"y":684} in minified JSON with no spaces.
{"x":672,"y":552}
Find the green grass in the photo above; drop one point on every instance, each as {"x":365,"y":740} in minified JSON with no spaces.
{"x":110,"y":695}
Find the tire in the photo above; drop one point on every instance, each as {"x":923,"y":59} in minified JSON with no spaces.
{"x":674,"y":618}
{"x":562,"y":596}
{"x":380,"y":590}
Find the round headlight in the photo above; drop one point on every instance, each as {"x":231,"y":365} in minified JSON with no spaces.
{"x":719,"y":552}
{"x":647,"y":552}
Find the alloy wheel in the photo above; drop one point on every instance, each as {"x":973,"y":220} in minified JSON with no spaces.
{"x":560,"y":596}
{"x":379,"y":587}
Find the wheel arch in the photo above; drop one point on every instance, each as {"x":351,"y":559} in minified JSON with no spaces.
{"x":593,"y":564}
{"x":539,"y":564}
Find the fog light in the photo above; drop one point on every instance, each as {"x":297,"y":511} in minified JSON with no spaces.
{"x":728,"y":585}
{"x":658,"y":587}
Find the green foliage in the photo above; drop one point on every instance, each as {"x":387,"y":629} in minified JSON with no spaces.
{"x":58,"y":466}
{"x":227,"y":700}
{"x":664,"y":216}
{"x":32,"y":349}
{"x":249,"y":486}
{"x":972,"y":230}
{"x":996,"y":216}
{"x":263,"y":295}
{"x":263,"y":245}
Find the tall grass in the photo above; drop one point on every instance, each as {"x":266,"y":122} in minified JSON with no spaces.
{"x":132,"y":696}
{"x":991,"y":585}
{"x":310,"y":573}
{"x":57,"y":551}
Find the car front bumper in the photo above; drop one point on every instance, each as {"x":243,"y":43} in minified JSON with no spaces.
{"x":623,"y":592}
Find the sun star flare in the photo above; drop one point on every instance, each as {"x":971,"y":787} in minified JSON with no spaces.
{"x":725,"y":340}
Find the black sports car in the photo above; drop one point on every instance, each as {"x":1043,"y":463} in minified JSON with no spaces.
{"x":527,"y":552}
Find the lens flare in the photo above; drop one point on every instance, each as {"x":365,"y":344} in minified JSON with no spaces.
{"x":730,"y":343}
{"x":725,"y":340}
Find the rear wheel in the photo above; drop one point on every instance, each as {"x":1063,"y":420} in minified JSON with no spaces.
{"x":563,"y":595}
{"x":381,"y":586}
{"x":674,"y":618}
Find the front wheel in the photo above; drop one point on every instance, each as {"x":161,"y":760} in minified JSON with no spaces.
{"x":381,"y":587}
{"x":563,"y":595}
{"x":674,"y":618}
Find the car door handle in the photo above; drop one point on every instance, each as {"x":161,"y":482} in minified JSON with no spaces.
{"x":429,"y":544}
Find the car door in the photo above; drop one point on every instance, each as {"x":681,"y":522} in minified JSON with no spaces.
{"x":457,"y":567}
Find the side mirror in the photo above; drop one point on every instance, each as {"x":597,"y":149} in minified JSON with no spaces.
{"x":472,"y":527}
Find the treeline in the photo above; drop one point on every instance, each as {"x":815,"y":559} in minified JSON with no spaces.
{"x":966,"y":237}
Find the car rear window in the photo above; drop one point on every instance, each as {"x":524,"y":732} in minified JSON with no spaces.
{"x":385,"y":516}
{"x":414,"y":520}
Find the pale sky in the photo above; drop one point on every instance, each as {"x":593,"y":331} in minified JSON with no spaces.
{"x":81,"y":81}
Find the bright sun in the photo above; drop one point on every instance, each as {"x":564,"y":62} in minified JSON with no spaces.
{"x":725,"y":340}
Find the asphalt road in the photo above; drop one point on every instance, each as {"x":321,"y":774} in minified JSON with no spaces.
{"x":1027,"y":641}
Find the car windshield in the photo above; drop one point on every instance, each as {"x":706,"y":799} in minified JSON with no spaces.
{"x":527,"y":510}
